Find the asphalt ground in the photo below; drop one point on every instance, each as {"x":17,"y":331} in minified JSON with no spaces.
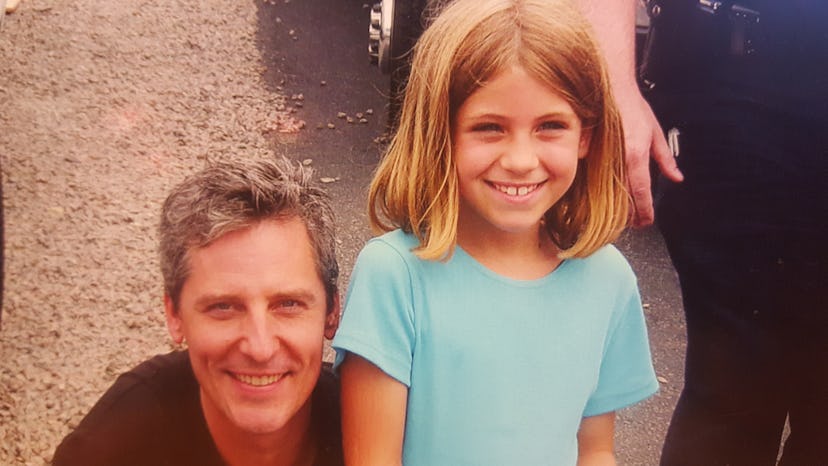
{"x":315,"y":52}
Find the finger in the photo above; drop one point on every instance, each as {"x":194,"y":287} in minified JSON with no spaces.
{"x":638,"y":178}
{"x":643,"y":214}
{"x":664,"y":157}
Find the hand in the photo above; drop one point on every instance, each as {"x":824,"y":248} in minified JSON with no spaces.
{"x":643,"y":138}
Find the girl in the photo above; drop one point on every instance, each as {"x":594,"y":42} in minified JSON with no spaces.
{"x":492,"y":323}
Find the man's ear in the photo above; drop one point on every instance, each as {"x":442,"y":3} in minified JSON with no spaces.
{"x":583,"y":145}
{"x":332,"y":319}
{"x":173,"y":320}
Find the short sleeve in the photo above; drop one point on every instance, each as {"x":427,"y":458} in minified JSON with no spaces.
{"x":626,"y":375}
{"x":377,"y":323}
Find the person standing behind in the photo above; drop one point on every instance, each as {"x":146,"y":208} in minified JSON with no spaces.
{"x":742,"y":89}
{"x":248,"y":256}
{"x":492,"y":322}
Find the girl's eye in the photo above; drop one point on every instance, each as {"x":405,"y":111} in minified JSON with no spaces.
{"x":487,"y":128}
{"x":552,"y":125}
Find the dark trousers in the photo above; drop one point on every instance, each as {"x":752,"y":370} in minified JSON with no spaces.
{"x":748,"y":235}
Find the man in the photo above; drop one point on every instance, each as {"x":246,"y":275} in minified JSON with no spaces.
{"x":250,"y":278}
{"x":742,"y":88}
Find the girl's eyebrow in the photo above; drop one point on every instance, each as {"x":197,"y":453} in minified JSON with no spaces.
{"x":497,"y":116}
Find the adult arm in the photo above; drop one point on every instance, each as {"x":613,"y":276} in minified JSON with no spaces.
{"x":614,"y":27}
{"x":595,"y":440}
{"x":373,"y":414}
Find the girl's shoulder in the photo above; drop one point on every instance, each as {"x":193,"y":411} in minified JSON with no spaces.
{"x":609,"y":255}
{"x":397,"y":239}
{"x":392,"y":247}
{"x":396,"y":242}
{"x":394,"y":254}
{"x":607,"y":262}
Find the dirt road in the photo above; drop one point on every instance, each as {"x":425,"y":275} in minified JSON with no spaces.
{"x":103,"y":106}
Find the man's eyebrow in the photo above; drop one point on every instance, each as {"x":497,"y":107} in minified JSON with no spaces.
{"x":212,"y":298}
{"x":301,"y":294}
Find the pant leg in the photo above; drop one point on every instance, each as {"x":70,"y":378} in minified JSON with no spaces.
{"x":727,"y":228}
{"x":807,"y":356}
{"x":731,"y":410}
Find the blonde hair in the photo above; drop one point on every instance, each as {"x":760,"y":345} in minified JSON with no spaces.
{"x":415,"y":186}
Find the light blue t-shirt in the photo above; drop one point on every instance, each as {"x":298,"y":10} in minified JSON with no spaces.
{"x":499,"y":371}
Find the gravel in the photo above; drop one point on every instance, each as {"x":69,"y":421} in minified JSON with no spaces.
{"x":104,"y":105}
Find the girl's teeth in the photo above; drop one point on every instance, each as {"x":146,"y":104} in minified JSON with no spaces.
{"x":514,"y":191}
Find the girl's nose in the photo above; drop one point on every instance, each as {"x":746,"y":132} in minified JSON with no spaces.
{"x":259,"y":340}
{"x":520,"y":155}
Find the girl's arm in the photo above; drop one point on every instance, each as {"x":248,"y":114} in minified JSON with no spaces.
{"x":595,"y":440}
{"x":373,"y":414}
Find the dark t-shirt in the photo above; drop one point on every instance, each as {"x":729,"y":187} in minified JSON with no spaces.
{"x":152,"y":416}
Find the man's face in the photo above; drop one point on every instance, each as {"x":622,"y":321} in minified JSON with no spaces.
{"x":253,"y":314}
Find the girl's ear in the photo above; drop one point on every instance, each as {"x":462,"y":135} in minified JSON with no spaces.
{"x":332,"y":319}
{"x":173,"y":320}
{"x":583,"y":146}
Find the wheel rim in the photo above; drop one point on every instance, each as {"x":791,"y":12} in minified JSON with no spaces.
{"x":379,"y":34}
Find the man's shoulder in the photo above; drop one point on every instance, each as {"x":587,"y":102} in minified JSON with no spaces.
{"x":138,"y":418}
{"x":162,"y":380}
{"x":169,"y":374}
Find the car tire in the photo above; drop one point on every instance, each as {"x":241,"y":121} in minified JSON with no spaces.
{"x":407,"y":25}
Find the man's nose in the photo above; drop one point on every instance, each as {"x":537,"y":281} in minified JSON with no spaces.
{"x":259,"y":340}
{"x":520,"y":155}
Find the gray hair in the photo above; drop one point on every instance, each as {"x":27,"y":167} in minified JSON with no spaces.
{"x":227,"y":197}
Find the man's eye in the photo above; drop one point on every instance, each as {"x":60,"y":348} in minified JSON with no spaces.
{"x":289,"y":305}
{"x":220,"y":307}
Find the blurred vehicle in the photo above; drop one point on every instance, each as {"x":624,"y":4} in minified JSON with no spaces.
{"x":394,"y":28}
